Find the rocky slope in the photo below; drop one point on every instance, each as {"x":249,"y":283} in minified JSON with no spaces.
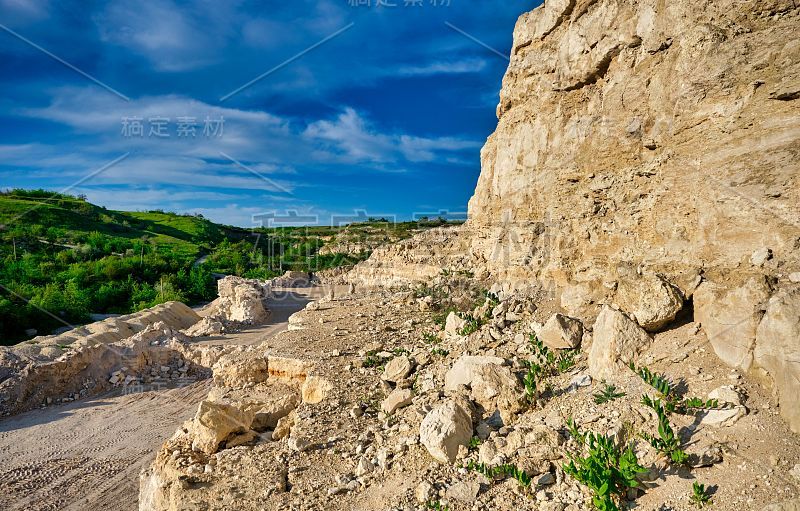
{"x":367,"y":404}
{"x":647,"y":155}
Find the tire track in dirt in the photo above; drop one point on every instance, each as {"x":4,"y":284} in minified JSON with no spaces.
{"x":88,"y":454}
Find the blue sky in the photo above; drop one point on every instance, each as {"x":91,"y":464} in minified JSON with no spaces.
{"x":351,"y":107}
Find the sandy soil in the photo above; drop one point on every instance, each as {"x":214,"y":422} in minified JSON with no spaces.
{"x":88,"y":454}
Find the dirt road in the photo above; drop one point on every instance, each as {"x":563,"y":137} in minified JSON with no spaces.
{"x":87,"y":455}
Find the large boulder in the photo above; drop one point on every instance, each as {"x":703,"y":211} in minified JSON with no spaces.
{"x":445,"y":428}
{"x":216,"y":422}
{"x":495,"y":387}
{"x":561,"y":332}
{"x":618,"y":340}
{"x":653,"y":301}
{"x":777,"y":351}
{"x":240,"y":301}
{"x":730,"y":317}
{"x":466,"y":368}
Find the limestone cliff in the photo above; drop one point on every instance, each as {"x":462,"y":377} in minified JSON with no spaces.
{"x":645,"y":148}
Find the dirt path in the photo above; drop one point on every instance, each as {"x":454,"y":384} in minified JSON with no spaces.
{"x":87,"y":455}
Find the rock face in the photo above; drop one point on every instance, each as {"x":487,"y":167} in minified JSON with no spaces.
{"x":617,"y":341}
{"x":638,"y":138}
{"x":777,"y":351}
{"x":730,"y":318}
{"x":215,"y":423}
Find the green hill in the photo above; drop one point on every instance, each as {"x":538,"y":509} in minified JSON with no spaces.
{"x":64,"y":258}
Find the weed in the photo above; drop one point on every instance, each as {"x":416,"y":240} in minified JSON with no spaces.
{"x":701,"y":497}
{"x":493,"y":300}
{"x":474,"y":442}
{"x":372,"y":360}
{"x":667,"y":441}
{"x":566,"y":360}
{"x":473,"y":324}
{"x":544,"y":364}
{"x":656,"y":380}
{"x":606,"y":470}
{"x":531,"y":382}
{"x":506,"y":470}
{"x":609,"y":393}
{"x":439,"y":352}
{"x":400,"y":351}
{"x":697,"y":404}
{"x":436,"y":505}
{"x":429,"y":338}
{"x":542,"y":353}
{"x":671,"y":400}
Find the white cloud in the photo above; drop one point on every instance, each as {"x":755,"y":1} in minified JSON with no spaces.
{"x":350,"y":137}
{"x":451,"y":67}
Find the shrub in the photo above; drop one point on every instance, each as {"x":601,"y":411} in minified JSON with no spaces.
{"x":605,"y":469}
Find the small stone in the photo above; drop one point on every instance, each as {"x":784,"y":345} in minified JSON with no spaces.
{"x":726,"y":394}
{"x":466,"y":491}
{"x":424,"y":492}
{"x":723,"y":418}
{"x":794,"y":277}
{"x":298,"y":444}
{"x":364,"y":467}
{"x":545,"y":479}
{"x":397,"y":369}
{"x":581,"y":380}
{"x":761,"y":256}
{"x":795,"y":472}
{"x":399,"y":398}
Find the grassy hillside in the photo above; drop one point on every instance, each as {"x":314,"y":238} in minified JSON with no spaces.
{"x":64,"y":258}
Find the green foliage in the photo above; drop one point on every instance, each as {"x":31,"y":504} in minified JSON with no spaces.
{"x":474,"y":442}
{"x":492,"y":300}
{"x":605,"y":469}
{"x":372,"y":360}
{"x":671,"y":400}
{"x":473,"y":324}
{"x":697,"y":404}
{"x":657,"y":381}
{"x":700,"y":497}
{"x":500,"y":471}
{"x":62,"y":258}
{"x":609,"y":393}
{"x":566,"y":360}
{"x":545,"y":363}
{"x":436,"y":505}
{"x":531,"y":382}
{"x":667,"y":442}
